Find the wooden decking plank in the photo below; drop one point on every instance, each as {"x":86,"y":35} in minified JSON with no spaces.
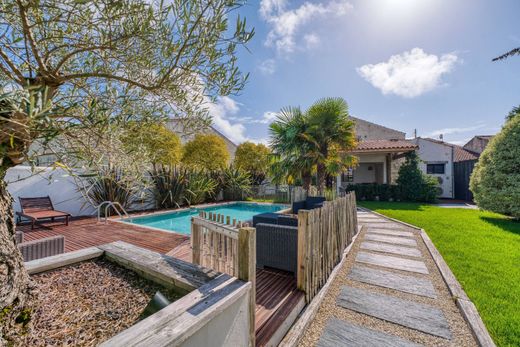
{"x":388,"y":248}
{"x":389,"y":239}
{"x":407,"y":313}
{"x":341,"y":333}
{"x":392,"y":262}
{"x":403,"y":283}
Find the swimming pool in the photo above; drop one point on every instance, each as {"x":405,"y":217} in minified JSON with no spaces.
{"x":180,"y":221}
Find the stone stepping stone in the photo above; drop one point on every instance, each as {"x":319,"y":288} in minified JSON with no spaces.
{"x":392,"y":262}
{"x":402,"y":283}
{"x":391,"y":232}
{"x":339,"y":333}
{"x":407,"y":313}
{"x":390,"y":239}
{"x":388,"y":248}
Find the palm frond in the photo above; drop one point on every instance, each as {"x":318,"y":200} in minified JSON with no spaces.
{"x":515,"y":51}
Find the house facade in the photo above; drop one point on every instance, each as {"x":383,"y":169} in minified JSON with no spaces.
{"x":380,"y":151}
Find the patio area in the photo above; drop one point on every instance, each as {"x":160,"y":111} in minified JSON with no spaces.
{"x":276,"y":296}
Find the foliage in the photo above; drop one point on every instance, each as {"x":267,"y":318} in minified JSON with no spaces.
{"x":374,"y":191}
{"x":110,"y":184}
{"x":481,"y":248}
{"x":160,"y":145}
{"x":317,"y":139}
{"x":515,"y":112}
{"x":169,"y":186}
{"x":495,"y":181}
{"x":201,"y":187}
{"x":206,"y":152}
{"x":513,"y":52}
{"x":236,"y":183}
{"x":413,"y":184}
{"x":253,"y":158}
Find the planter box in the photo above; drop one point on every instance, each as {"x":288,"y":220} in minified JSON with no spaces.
{"x":213,"y":311}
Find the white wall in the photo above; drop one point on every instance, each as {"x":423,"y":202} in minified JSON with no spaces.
{"x":436,"y":152}
{"x":58,"y":184}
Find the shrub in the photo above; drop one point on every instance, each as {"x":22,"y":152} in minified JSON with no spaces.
{"x":414,"y":185}
{"x":253,"y":158}
{"x":495,"y":181}
{"x":201,"y":187}
{"x":206,"y":152}
{"x":169,"y":186}
{"x":236,"y":184}
{"x":110,"y":185}
{"x":373,"y":191}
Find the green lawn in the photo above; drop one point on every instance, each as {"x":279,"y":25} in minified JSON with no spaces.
{"x":483,"y":251}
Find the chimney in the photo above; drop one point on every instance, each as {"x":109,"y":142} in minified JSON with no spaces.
{"x":441,"y":137}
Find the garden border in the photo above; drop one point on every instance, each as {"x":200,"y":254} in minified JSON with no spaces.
{"x":465,"y":305}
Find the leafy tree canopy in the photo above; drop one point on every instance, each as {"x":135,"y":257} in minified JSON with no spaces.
{"x":253,"y":158}
{"x":206,"y":152}
{"x":160,"y":144}
{"x":495,"y":181}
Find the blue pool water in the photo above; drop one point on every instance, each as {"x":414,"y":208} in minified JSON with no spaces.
{"x":181,"y":221}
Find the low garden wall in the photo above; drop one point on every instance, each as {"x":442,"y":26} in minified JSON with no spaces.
{"x":215,"y":309}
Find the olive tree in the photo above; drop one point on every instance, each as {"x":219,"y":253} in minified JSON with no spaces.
{"x":59,"y":55}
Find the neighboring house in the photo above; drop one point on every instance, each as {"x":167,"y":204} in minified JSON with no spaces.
{"x":178,"y":128}
{"x":380,"y":152}
{"x":437,"y":158}
{"x":477,"y":144}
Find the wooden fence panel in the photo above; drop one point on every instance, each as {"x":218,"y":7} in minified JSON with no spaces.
{"x":323,"y":235}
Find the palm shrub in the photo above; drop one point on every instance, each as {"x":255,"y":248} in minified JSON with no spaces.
{"x":200,"y":187}
{"x":413,"y":184}
{"x":169,"y":186}
{"x":495,"y":181}
{"x":110,"y":184}
{"x":236,"y":183}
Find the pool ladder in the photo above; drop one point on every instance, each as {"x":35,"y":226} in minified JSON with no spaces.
{"x":115,"y":205}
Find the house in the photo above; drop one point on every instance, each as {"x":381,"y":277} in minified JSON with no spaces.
{"x":380,"y":153}
{"x":477,"y":144}
{"x":437,"y":158}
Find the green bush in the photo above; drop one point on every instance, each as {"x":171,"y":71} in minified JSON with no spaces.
{"x":413,"y":184}
{"x":236,"y":184}
{"x":373,"y":191}
{"x":201,"y":187}
{"x":169,"y":186}
{"x":495,"y":181}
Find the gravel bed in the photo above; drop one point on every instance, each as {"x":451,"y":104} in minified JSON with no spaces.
{"x":461,"y":333}
{"x":87,"y":303}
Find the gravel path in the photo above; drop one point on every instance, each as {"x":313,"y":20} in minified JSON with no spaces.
{"x":332,"y":314}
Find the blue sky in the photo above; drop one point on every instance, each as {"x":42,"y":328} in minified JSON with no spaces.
{"x":406,"y":64}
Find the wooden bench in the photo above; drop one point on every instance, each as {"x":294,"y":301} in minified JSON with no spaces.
{"x":40,"y":208}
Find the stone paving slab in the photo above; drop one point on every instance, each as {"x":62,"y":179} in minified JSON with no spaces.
{"x":390,"y":239}
{"x":392,"y":262}
{"x":407,"y":313}
{"x":388,"y":248}
{"x":339,"y":333}
{"x":391,"y":232}
{"x":403,"y":283}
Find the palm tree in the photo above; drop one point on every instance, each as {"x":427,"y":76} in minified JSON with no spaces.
{"x":317,"y":140}
{"x":514,"y":51}
{"x":288,"y":144}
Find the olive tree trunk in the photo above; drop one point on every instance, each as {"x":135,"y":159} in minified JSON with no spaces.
{"x":17,"y":292}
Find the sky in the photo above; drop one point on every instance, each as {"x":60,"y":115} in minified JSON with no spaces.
{"x":404,"y":64}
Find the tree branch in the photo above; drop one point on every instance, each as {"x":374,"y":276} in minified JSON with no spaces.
{"x":27,"y":30}
{"x":63,"y":79}
{"x":13,"y":67}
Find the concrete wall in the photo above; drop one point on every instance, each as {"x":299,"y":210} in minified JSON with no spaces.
{"x":371,"y":131}
{"x":477,"y":144}
{"x":43,"y":181}
{"x":434,"y":152}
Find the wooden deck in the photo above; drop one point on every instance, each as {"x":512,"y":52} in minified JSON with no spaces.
{"x":87,"y":232}
{"x":276,"y":293}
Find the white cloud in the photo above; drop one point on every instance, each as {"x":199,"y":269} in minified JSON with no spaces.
{"x":268,"y":117}
{"x":311,"y":40}
{"x":409,"y":74}
{"x":220,"y":111}
{"x":267,"y":67}
{"x":286,"y":24}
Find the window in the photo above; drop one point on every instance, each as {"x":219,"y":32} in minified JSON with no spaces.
{"x":437,"y":169}
{"x":348,"y":176}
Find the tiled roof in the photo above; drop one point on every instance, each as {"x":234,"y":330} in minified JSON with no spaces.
{"x":382,"y":145}
{"x":461,"y":154}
